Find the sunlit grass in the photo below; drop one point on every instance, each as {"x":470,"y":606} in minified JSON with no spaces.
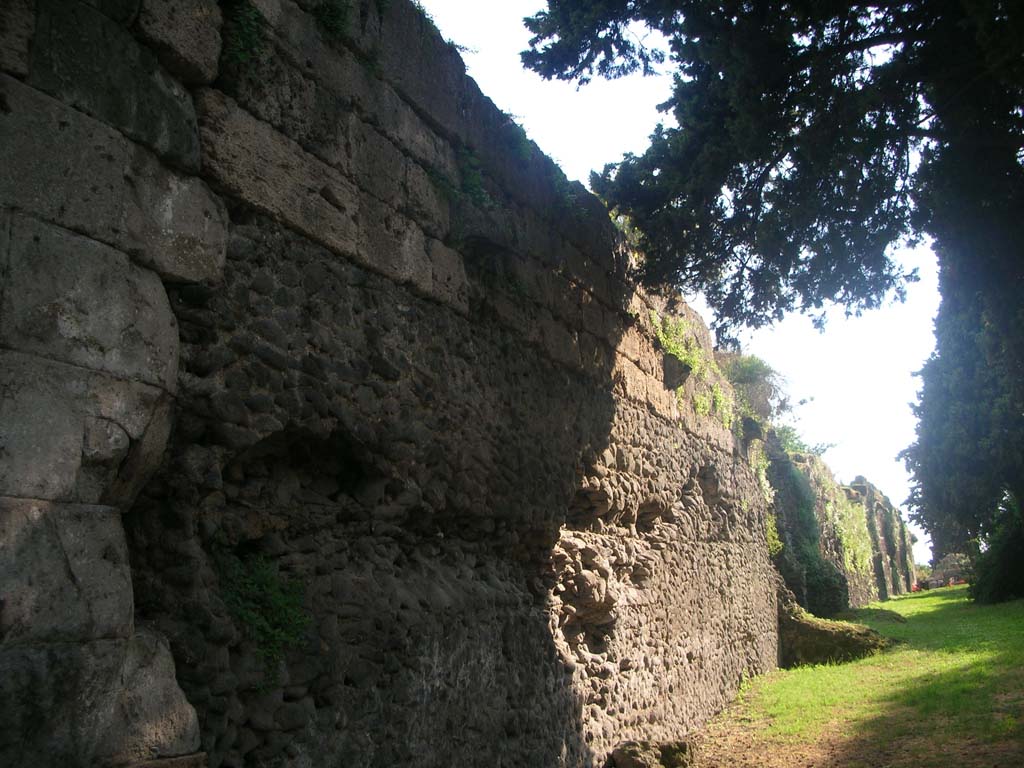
{"x":955,"y":676}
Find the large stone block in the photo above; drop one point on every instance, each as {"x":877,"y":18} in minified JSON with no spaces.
{"x":121,"y":11}
{"x":68,"y":168}
{"x":252,"y":161}
{"x":151,"y":718}
{"x":70,"y":434}
{"x":78,"y":301}
{"x":448,"y":276}
{"x":186,"y":36}
{"x":125,"y":87}
{"x":346,"y":78}
{"x":172,"y":224}
{"x":65,"y":573}
{"x":58,"y":163}
{"x":107,"y":702}
{"x":17,"y":23}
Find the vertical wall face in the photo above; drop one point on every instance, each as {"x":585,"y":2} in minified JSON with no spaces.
{"x":312,"y":336}
{"x":93,"y":219}
{"x":894,"y":558}
{"x":843,"y":546}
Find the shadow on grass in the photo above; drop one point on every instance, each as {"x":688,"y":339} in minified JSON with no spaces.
{"x":965,"y":709}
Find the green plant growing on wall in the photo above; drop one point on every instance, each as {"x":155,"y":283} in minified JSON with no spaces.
{"x":422,"y":10}
{"x":332,"y":16}
{"x":268,"y":607}
{"x":460,"y":49}
{"x":243,"y":32}
{"x":472,"y":178}
{"x":722,"y":403}
{"x":676,"y":337}
{"x":570,"y":194}
{"x":443,"y":185}
{"x":775,"y":545}
{"x":826,"y":588}
{"x":624,"y":224}
{"x":851,"y":526}
{"x":792,"y":442}
{"x":758,"y":458}
{"x":701,"y":402}
{"x":756,"y":386}
{"x":519,"y":142}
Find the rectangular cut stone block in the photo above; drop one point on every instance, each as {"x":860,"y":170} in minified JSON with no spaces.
{"x":448,"y":276}
{"x":107,"y":702}
{"x":636,"y":385}
{"x":392,"y":245}
{"x":68,"y":434}
{"x":64,"y":572}
{"x":58,"y":163}
{"x":263,"y":168}
{"x":17,"y":22}
{"x":68,"y":168}
{"x":78,"y":301}
{"x":252,"y":161}
{"x":186,"y":36}
{"x":124,"y":87}
{"x":171,"y":223}
{"x":345,"y":77}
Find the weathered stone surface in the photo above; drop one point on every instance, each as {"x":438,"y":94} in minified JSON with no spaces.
{"x":185,"y":35}
{"x":890,"y":538}
{"x":65,"y":574}
{"x":121,"y":11}
{"x":101,"y":702}
{"x":197,"y":760}
{"x":63,"y":430}
{"x":859,"y":548}
{"x":172,"y":224}
{"x":411,"y":407}
{"x":125,"y":88}
{"x":675,"y":372}
{"x":250,"y":160}
{"x":806,"y":639}
{"x":280,"y":87}
{"x":58,"y":163}
{"x":151,"y":717}
{"x":17,"y":23}
{"x":254,"y":163}
{"x":329,"y":381}
{"x":448,"y":275}
{"x":636,"y":754}
{"x":78,"y":301}
{"x":68,"y":168}
{"x":144,"y":456}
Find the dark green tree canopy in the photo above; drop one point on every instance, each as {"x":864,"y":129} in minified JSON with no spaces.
{"x":808,"y":137}
{"x":811,"y":137}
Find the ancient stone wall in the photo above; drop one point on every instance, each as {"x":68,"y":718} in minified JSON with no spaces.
{"x":331,"y":430}
{"x":893,"y":558}
{"x":843,"y":546}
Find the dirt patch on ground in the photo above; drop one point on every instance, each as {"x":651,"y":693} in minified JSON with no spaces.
{"x":731,"y":742}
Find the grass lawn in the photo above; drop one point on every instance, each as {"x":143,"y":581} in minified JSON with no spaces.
{"x":948,"y":694}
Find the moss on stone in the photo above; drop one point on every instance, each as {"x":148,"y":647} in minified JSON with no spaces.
{"x":806,"y":639}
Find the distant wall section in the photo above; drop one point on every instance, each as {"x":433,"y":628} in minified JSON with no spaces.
{"x":843,"y":546}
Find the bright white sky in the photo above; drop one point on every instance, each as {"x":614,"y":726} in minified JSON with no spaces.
{"x":859,"y":372}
